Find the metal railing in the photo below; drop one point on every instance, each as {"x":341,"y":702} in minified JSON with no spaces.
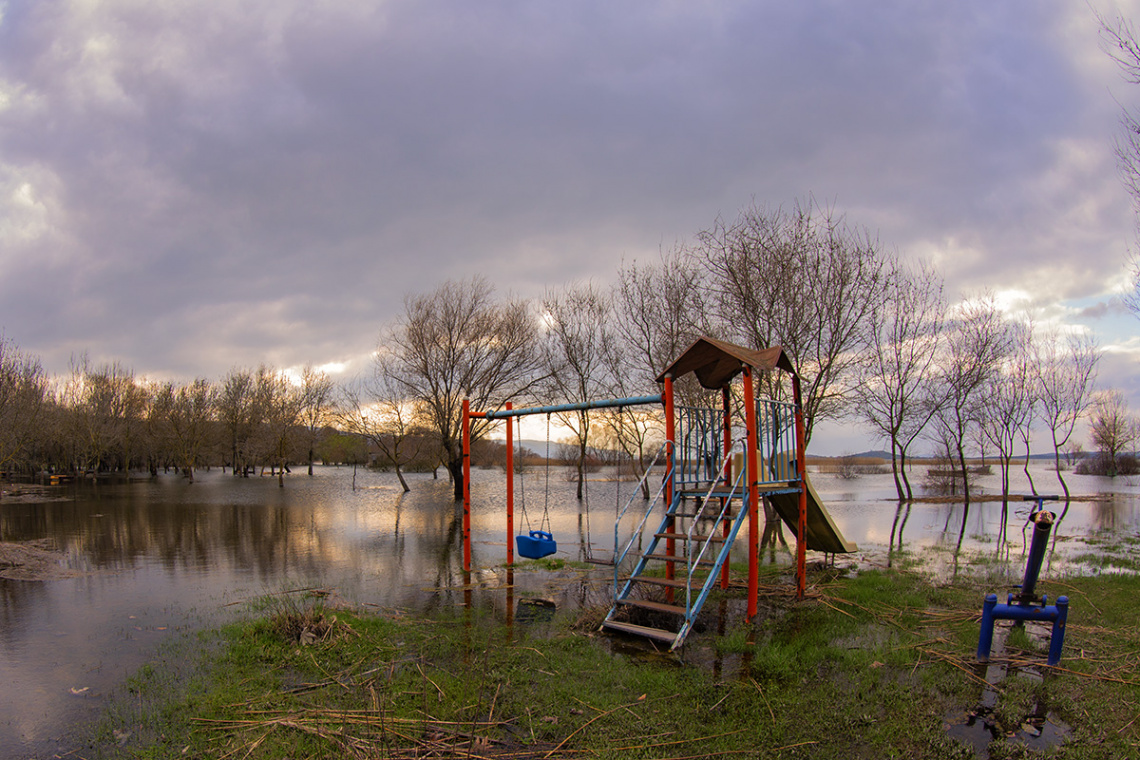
{"x":700,"y":436}
{"x":776,"y":441}
{"x":694,"y":558}
{"x":620,"y":554}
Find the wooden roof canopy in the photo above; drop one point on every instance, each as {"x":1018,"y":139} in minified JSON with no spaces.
{"x":717,"y":362}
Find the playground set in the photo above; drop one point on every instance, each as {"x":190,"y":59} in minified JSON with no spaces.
{"x":714,"y":476}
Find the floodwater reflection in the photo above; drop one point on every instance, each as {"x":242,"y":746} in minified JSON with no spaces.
{"x":163,"y":558}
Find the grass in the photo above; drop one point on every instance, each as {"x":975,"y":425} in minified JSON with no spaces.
{"x":866,"y":667}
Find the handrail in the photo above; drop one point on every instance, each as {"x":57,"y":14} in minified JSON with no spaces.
{"x":619,"y":557}
{"x":692,"y":563}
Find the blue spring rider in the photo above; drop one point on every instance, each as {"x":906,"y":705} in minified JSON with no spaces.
{"x":537,"y":544}
{"x":1026,"y":605}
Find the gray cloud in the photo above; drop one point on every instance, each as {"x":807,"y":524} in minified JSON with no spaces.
{"x":188,"y":186}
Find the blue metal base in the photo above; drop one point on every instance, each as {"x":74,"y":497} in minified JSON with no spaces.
{"x":1057,"y":614}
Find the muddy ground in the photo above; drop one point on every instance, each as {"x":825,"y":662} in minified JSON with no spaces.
{"x":34,"y":561}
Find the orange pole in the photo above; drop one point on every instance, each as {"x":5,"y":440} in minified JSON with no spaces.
{"x":670,"y":477}
{"x":726,"y":402}
{"x":753,"y":493}
{"x":467,"y":485}
{"x":801,"y":467}
{"x":510,"y":490}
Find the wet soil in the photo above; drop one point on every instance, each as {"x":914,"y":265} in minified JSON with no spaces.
{"x":34,"y":561}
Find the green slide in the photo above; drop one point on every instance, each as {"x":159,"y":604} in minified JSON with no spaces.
{"x":822,"y":533}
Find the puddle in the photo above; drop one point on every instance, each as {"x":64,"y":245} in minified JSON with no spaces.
{"x":996,"y":719}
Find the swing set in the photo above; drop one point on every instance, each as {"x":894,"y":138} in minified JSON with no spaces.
{"x":712,"y":486}
{"x":533,"y":544}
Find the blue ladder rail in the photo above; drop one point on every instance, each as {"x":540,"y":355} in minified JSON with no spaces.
{"x":696,"y":553}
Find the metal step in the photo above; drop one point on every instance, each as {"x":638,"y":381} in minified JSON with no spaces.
{"x":646,"y":604}
{"x":641,"y":630}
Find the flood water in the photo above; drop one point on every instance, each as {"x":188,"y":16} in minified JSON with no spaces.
{"x":161,"y":558}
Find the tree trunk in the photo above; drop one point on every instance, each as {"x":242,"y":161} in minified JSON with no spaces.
{"x":1057,"y":466}
{"x":906,"y":480}
{"x":455,"y":467}
{"x":895,"y":469}
{"x":400,"y":475}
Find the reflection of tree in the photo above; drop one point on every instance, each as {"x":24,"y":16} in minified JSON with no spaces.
{"x":15,"y":600}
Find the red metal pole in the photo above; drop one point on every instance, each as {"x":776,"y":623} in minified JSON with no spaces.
{"x":801,"y":467}
{"x":753,"y":493}
{"x":726,"y":403}
{"x":467,"y":485}
{"x":510,"y":490}
{"x":670,"y":476}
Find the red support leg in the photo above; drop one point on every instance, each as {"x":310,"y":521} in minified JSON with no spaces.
{"x":467,"y":485}
{"x":753,"y":493}
{"x":510,"y":491}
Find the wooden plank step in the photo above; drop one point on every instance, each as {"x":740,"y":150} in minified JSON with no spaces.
{"x":641,"y":630}
{"x":669,"y":582}
{"x":676,"y":558}
{"x":685,"y":537}
{"x":646,"y":604}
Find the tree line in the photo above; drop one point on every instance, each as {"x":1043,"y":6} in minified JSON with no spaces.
{"x":872,"y":335}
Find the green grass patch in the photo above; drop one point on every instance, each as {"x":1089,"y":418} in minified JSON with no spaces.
{"x":866,"y":667}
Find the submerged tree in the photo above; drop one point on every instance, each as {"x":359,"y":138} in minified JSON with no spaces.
{"x":1066,"y":376}
{"x":317,"y":397}
{"x":1005,"y":414}
{"x":894,"y":391}
{"x":281,"y":402}
{"x":1113,"y":430}
{"x":239,"y":415}
{"x":23,"y":394}
{"x":978,"y":342}
{"x":185,"y":413}
{"x":375,"y":411}
{"x":458,"y":342}
{"x":577,"y":343}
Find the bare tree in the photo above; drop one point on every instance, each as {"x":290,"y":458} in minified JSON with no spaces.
{"x":375,"y":411}
{"x":317,"y":396}
{"x":280,"y":402}
{"x":1132,"y":297}
{"x":1009,"y":399}
{"x":185,"y":413}
{"x":660,"y":310}
{"x":1112,"y":430}
{"x":23,"y":394}
{"x":977,"y":343}
{"x":458,"y":342}
{"x":894,"y":391}
{"x":577,"y":343}
{"x":1118,"y":39}
{"x":802,"y":279}
{"x":1066,"y":378}
{"x":239,"y":415}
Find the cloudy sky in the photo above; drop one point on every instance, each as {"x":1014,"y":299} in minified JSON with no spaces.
{"x":190,"y":186}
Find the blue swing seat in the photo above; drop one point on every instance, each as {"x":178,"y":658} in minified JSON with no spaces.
{"x":536,"y":545}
